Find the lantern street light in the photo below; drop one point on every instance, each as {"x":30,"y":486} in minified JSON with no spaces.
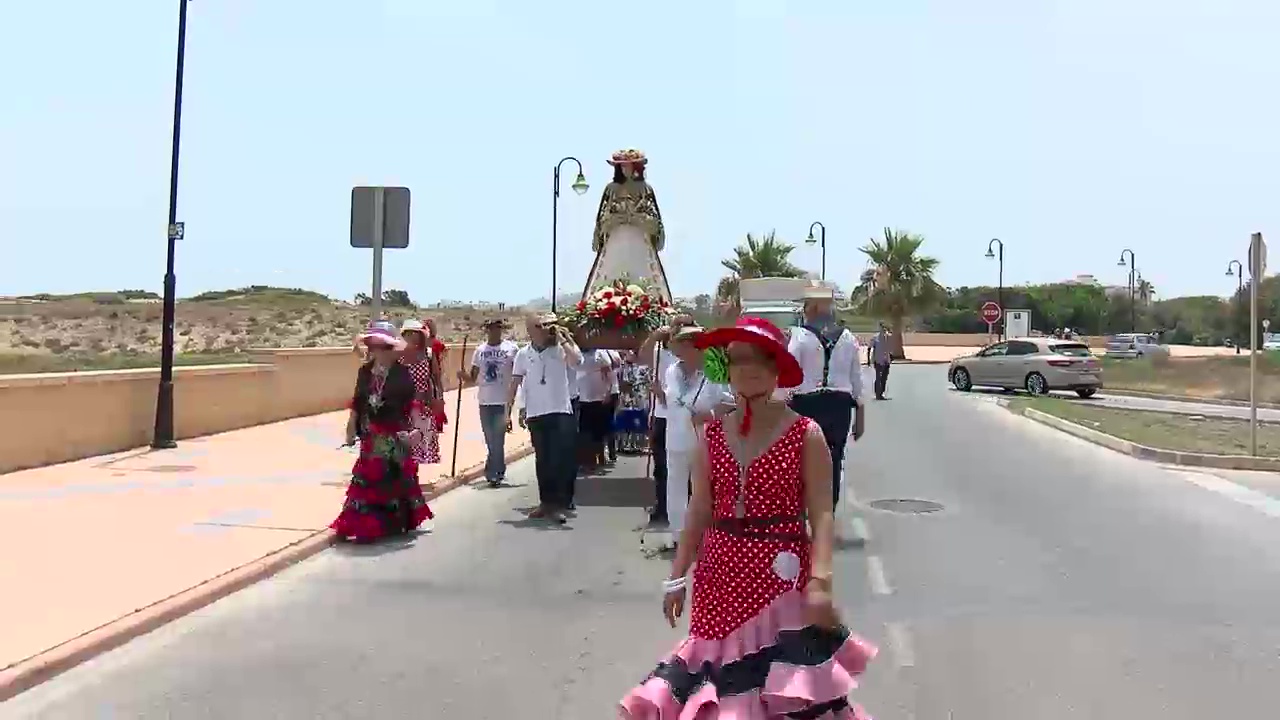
{"x":580,"y":187}
{"x":822,"y":239}
{"x":1133,"y":274}
{"x":1238,"y":272}
{"x":162,"y":433}
{"x":997,"y":243}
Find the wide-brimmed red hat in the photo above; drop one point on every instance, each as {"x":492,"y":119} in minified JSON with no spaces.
{"x":764,"y":335}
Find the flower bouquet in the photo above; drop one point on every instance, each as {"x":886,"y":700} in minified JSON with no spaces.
{"x":617,"y":316}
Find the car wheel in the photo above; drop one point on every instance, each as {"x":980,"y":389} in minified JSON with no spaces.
{"x":1086,"y":392}
{"x":960,"y":378}
{"x":1036,"y":384}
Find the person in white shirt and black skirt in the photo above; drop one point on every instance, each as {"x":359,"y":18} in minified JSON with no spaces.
{"x":831,"y":393}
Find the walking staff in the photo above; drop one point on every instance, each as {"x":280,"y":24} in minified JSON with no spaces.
{"x":831,"y":393}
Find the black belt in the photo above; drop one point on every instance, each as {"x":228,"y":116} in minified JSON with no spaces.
{"x":756,"y":527}
{"x":826,"y":391}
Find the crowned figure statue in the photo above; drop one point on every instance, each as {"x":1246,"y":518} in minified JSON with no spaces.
{"x":628,"y":233}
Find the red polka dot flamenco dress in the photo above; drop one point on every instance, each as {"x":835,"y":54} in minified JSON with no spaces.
{"x":750,"y":654}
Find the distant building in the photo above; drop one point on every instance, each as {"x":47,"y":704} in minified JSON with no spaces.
{"x":1086,"y":279}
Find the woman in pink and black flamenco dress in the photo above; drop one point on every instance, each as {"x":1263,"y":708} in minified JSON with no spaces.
{"x":384,"y":497}
{"x":765,"y":640}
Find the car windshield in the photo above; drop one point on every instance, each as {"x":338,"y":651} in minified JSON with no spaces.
{"x":1071,"y":349}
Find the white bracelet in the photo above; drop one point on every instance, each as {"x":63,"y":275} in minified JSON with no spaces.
{"x":674,"y":585}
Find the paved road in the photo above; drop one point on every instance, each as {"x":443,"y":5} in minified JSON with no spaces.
{"x":1059,"y":582}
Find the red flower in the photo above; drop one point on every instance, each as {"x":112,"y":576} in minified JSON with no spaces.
{"x":582,"y":305}
{"x":608,"y":294}
{"x":624,"y":301}
{"x":619,"y":321}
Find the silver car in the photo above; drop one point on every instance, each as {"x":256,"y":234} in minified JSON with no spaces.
{"x":1036,"y":364}
{"x":1134,"y":345}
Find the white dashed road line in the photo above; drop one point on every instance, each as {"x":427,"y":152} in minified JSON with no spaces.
{"x":858,"y":527}
{"x":900,"y":645}
{"x":876,"y":577}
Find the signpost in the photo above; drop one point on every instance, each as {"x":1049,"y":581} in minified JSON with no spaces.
{"x":1257,"y":268}
{"x":991,"y":315}
{"x":379,"y":220}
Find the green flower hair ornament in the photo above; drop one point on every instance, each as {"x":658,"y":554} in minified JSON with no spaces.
{"x":715,"y":365}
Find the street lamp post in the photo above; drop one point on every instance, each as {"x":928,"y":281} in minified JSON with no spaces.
{"x":1239,"y":275}
{"x":162,"y":436}
{"x":999,"y":255}
{"x":822,"y":240}
{"x":1133,"y":269}
{"x":579,"y":186}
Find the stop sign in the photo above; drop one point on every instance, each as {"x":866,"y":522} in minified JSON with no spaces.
{"x":990,"y":312}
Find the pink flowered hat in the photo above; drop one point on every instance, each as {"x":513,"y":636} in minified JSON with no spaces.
{"x":382,"y":333}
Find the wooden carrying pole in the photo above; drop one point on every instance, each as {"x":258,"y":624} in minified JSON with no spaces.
{"x":457,"y":413}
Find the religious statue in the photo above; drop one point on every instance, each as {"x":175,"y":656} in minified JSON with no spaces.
{"x":629,"y":232}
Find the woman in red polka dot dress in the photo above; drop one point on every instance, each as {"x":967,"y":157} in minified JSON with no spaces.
{"x":765,"y":640}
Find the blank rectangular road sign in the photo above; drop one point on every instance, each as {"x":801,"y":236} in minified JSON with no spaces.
{"x":395,"y":217}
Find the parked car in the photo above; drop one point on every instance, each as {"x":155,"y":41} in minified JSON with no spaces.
{"x":1135,"y":345}
{"x":1035,"y":364}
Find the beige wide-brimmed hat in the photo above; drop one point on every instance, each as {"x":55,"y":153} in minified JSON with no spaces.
{"x":412,"y":325}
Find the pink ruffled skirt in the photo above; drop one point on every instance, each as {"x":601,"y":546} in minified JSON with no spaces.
{"x":773,"y":667}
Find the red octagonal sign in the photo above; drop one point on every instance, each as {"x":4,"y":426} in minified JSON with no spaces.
{"x":990,"y":312}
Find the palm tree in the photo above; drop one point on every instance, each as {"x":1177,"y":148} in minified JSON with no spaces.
{"x":758,"y":257}
{"x":898,"y":281}
{"x":1145,"y":292}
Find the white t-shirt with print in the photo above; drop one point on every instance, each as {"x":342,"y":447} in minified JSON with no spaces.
{"x":494,"y":363}
{"x":546,"y":380}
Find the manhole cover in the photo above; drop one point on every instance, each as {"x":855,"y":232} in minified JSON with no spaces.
{"x":908,"y":507}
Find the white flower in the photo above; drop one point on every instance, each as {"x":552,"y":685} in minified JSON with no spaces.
{"x":635,"y":290}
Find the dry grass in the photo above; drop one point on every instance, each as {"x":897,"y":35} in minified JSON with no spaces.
{"x":1210,"y":435}
{"x":104,"y":331}
{"x":1224,"y":377}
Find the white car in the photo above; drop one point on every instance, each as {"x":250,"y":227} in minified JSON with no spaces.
{"x":1134,"y":345}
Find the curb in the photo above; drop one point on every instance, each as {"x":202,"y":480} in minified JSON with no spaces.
{"x":1144,"y":452}
{"x":1226,"y":402}
{"x":44,"y":666}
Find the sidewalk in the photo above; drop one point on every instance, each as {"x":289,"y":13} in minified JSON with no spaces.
{"x":91,"y":542}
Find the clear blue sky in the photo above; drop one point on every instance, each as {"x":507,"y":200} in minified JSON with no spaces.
{"x":1070,"y":129}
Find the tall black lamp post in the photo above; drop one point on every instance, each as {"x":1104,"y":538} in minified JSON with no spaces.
{"x":822,"y":240}
{"x":579,"y":186}
{"x":1133,"y":274}
{"x":995,"y":249}
{"x":162,"y":437}
{"x":1238,"y":272}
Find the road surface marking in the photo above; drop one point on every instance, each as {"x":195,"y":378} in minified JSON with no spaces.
{"x":900,"y":645}
{"x":1235,"y":491}
{"x":876,"y":576}
{"x":860,"y":531}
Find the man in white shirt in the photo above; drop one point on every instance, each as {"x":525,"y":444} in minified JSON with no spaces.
{"x":491,"y":366}
{"x":594,"y":376}
{"x":831,"y":393}
{"x":541,"y":370}
{"x":656,"y":354}
{"x":615,"y":394}
{"x":692,"y":402}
